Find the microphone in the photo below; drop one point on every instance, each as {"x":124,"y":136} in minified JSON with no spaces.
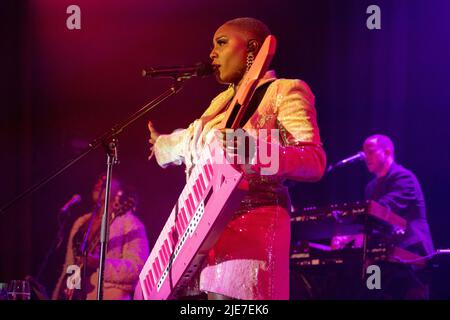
{"x":186,"y":72}
{"x":359,"y":156}
{"x":74,"y":200}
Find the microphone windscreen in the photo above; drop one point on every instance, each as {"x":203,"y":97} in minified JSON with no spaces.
{"x":205,"y":69}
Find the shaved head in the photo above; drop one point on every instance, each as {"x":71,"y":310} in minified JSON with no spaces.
{"x":379,"y":151}
{"x":233,"y":43}
{"x":253,"y":29}
{"x":383,"y":142}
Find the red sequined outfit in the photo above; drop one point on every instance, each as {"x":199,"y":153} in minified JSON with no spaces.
{"x":251,"y":258}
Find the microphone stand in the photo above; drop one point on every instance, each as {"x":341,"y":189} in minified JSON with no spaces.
{"x":109,"y":141}
{"x":36,"y":282}
{"x":112,"y":159}
{"x":56,"y":243}
{"x":41,"y":292}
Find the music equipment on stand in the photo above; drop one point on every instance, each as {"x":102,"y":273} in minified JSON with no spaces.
{"x":328,"y":221}
{"x":349,"y":225}
{"x":343,"y":239}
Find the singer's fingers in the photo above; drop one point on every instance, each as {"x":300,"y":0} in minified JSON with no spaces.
{"x":152,"y":153}
{"x":153,"y":133}
{"x":151,"y":127}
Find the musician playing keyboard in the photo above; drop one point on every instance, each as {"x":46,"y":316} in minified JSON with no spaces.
{"x":398,"y":189}
{"x":251,"y":258}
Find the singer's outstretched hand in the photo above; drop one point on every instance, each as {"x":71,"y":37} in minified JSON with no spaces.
{"x":153,"y":133}
{"x":153,"y":137}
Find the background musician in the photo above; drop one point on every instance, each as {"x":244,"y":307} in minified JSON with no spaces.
{"x":398,"y":189}
{"x":126,"y":252}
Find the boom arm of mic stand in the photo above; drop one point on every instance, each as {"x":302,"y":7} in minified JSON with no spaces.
{"x":114,"y":131}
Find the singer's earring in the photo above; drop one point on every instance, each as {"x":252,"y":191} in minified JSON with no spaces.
{"x":250,"y":59}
